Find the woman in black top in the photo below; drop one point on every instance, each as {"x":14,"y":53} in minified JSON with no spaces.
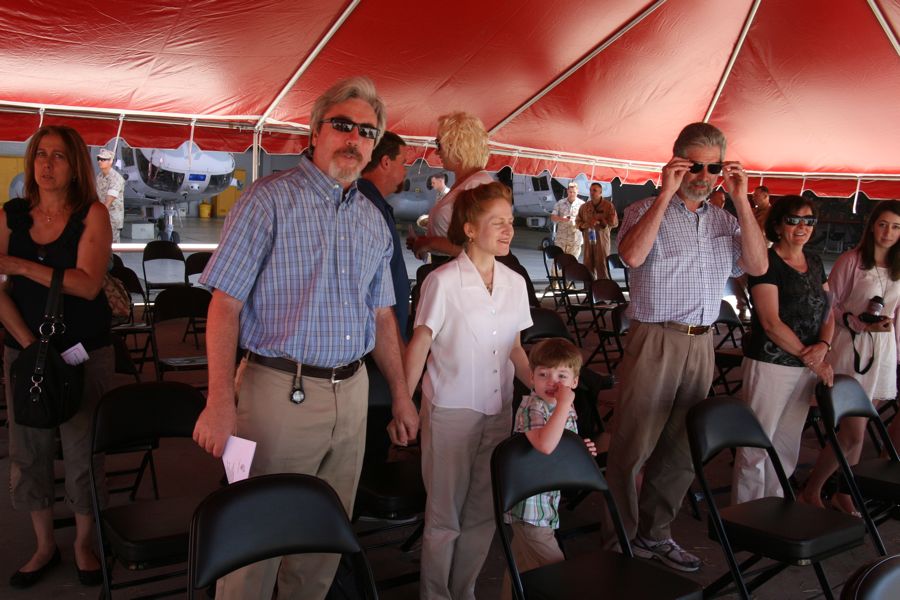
{"x":59,"y":224}
{"x":784,"y":353}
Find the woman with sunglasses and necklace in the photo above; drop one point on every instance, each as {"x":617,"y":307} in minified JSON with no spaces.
{"x":865,"y":344}
{"x":784,"y":355}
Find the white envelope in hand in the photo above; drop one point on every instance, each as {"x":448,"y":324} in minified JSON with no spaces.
{"x":238,"y":457}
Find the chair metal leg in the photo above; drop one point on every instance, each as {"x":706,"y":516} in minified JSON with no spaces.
{"x":823,"y":581}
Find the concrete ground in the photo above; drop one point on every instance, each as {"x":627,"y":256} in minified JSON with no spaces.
{"x":181,"y":464}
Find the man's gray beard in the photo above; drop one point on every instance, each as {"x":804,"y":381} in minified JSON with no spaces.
{"x":689,"y":195}
{"x":346,"y":175}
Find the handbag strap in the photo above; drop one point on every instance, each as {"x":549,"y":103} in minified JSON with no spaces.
{"x":53,"y":318}
{"x":856,"y":358}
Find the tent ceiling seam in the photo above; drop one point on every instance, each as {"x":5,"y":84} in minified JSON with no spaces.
{"x":577,"y":66}
{"x":885,"y":25}
{"x":731,"y":60}
{"x":306,"y":63}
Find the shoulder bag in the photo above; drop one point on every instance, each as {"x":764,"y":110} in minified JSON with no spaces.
{"x":46,"y":390}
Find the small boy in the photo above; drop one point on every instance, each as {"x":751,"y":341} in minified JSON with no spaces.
{"x":543,"y":415}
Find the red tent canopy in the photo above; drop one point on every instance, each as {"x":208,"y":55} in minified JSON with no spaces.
{"x":806,"y":91}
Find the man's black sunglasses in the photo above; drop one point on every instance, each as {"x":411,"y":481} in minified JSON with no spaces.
{"x":101,"y":159}
{"x":346,"y":126}
{"x":795,"y":220}
{"x":713,"y":168}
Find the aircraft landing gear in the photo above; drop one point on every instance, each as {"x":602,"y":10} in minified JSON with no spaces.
{"x":165,"y":225}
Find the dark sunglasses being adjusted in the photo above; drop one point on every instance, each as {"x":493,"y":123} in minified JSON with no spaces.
{"x":346,"y":126}
{"x":795,"y":220}
{"x":713,"y":168}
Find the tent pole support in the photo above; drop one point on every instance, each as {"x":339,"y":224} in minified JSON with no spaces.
{"x":734,"y":54}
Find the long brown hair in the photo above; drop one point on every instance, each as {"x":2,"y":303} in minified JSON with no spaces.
{"x":81,"y":190}
{"x":867,"y":245}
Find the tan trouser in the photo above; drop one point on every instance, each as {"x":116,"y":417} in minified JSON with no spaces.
{"x":32,"y":451}
{"x":324,"y":436}
{"x":456,"y":451}
{"x":595,"y":254}
{"x":532,"y":547}
{"x":664,"y":373}
{"x":779,"y":397}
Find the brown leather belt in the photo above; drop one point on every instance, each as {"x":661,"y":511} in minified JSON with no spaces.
{"x":685,"y":328}
{"x":284,"y":364}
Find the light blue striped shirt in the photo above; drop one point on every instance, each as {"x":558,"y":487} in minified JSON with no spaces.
{"x":684,"y":275}
{"x":310,"y":263}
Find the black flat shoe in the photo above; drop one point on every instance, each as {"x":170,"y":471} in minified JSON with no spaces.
{"x":26,"y":579}
{"x":90,"y":578}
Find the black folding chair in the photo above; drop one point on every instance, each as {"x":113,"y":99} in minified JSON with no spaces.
{"x":141,"y":350}
{"x":180,"y":303}
{"x":554,"y":276}
{"x":876,"y":479}
{"x":578,"y":280}
{"x":158,"y":250}
{"x":518,"y":471}
{"x":194,"y":265}
{"x":614,"y":261}
{"x":269,"y":516}
{"x":780,"y":529}
{"x":146,"y":533}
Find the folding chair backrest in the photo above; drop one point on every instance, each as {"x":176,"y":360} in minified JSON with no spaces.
{"x":546,"y":323}
{"x":877,"y":580}
{"x":162,"y":250}
{"x":727,"y":315}
{"x":716,"y":424}
{"x":607,"y":290}
{"x":563,"y":260}
{"x":263,"y":517}
{"x":577,"y":272}
{"x":196,"y":262}
{"x":620,"y":321}
{"x":846,"y":398}
{"x":130,"y":280}
{"x":181,"y":302}
{"x":142,"y":411}
{"x":518,"y":471}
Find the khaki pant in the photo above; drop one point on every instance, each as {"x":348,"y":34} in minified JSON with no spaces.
{"x":779,"y":397}
{"x":324,"y":436}
{"x":456,"y":451}
{"x":532,"y":547}
{"x":664,"y":373}
{"x":595,"y":254}
{"x":32,"y":451}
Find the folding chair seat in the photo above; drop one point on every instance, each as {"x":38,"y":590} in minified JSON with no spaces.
{"x":577,"y":296}
{"x":180,"y":303}
{"x":145,"y":533}
{"x":877,"y":580}
{"x":780,"y":529}
{"x":876,"y":479}
{"x":163,"y":250}
{"x":518,"y":471}
{"x":258,"y":518}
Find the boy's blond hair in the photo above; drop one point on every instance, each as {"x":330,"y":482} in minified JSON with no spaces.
{"x":555,"y":352}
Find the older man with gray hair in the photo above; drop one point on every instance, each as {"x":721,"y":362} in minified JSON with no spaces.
{"x":301,"y":280}
{"x":681,"y":251}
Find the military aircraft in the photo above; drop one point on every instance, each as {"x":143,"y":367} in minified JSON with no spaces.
{"x":533,"y":196}
{"x":168,"y":178}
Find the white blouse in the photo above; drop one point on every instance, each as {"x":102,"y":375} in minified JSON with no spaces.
{"x":473,"y":333}
{"x":440,"y":214}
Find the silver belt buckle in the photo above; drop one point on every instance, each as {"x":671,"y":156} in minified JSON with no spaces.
{"x":334,"y":380}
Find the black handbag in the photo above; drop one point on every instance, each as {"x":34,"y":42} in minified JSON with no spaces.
{"x":46,"y":390}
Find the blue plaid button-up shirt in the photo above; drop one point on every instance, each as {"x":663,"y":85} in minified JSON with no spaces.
{"x":310,"y":263}
{"x":684,"y":276}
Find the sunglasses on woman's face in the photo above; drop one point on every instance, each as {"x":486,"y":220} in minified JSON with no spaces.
{"x":713,"y":168}
{"x":794,"y":220}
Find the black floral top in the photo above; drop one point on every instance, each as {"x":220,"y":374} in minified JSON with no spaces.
{"x":802,"y":306}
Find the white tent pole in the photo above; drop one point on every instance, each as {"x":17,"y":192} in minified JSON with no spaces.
{"x":572,"y":70}
{"x":888,"y":31}
{"x":856,"y":194}
{"x":306,"y":63}
{"x":734,"y":54}
{"x":191,"y":148}
{"x":41,"y":118}
{"x":254,"y":173}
